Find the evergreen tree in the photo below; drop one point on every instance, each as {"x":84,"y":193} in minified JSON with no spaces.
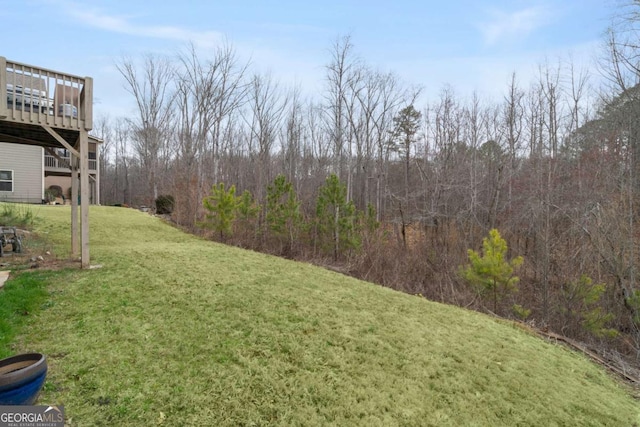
{"x":368,"y":226}
{"x":247,"y":212}
{"x":221,"y":206}
{"x":336,"y":218}
{"x":580,"y":306}
{"x":490,"y":273}
{"x":283,"y":212}
{"x":370,"y":221}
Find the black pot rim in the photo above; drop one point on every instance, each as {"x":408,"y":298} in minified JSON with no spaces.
{"x":34,"y":369}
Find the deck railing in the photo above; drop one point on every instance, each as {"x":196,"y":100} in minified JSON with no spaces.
{"x":46,"y":97}
{"x":52,"y":163}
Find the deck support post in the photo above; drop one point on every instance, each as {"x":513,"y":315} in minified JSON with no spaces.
{"x":75,"y":231}
{"x":84,"y":197}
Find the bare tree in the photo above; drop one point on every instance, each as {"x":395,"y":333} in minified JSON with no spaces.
{"x":292,"y":136}
{"x":474,"y":133}
{"x":230,"y":93}
{"x":266,"y":108}
{"x":197,"y":85}
{"x":151,"y":88}
{"x":444,"y":128}
{"x":513,"y":118}
{"x":341,"y":71}
{"x":407,"y":124}
{"x":122,"y":192}
{"x":103,"y":129}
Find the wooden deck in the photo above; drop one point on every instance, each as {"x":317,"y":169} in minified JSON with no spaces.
{"x":52,"y":109}
{"x":37,"y":98}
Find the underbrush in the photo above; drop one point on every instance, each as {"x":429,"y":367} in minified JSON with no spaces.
{"x":16,"y":214}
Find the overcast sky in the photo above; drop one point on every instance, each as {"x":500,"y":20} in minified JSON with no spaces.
{"x":467,"y":44}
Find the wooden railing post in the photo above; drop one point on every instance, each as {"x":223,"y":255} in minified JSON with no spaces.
{"x":3,"y":87}
{"x":86,"y":103}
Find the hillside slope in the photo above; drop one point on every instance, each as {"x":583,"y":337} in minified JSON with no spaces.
{"x":176,"y":330}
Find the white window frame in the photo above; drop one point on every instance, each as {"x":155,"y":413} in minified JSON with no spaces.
{"x":11,"y":180}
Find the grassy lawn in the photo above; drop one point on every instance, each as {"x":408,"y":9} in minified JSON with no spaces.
{"x":20,"y":298}
{"x":175,"y":330}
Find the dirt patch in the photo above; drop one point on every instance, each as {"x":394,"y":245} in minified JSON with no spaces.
{"x":45,"y":262}
{"x":33,"y":256}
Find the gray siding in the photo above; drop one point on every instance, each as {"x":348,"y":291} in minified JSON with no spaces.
{"x":27,"y":164}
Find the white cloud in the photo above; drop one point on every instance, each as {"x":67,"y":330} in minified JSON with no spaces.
{"x":506,"y":26}
{"x":100,"y":19}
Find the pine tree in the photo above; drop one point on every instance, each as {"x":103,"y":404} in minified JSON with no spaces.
{"x":490,"y":273}
{"x":247,"y":212}
{"x":283,"y":215}
{"x":221,"y":206}
{"x":336,"y":218}
{"x":580,"y":306}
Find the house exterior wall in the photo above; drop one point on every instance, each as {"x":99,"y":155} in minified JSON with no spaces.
{"x":27,"y":164}
{"x":63,"y":182}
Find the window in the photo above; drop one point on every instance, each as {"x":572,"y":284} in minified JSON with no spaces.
{"x":6,"y":180}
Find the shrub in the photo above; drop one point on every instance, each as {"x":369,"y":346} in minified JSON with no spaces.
{"x":16,"y":215}
{"x":165,"y":204}
{"x":521,"y":312}
{"x":49,"y":195}
{"x":56,"y":190}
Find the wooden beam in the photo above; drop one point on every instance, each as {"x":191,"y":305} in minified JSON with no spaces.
{"x":3,"y":87}
{"x":97,"y":177}
{"x":18,"y":140}
{"x":61,"y":140}
{"x":84,"y":198}
{"x":75,"y":231}
{"x":86,"y":103}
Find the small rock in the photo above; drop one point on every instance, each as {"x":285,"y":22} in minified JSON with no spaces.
{"x":47,"y":253}
{"x":40,"y":258}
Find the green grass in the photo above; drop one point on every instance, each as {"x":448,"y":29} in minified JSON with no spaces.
{"x":176,"y":330}
{"x":22,"y":296}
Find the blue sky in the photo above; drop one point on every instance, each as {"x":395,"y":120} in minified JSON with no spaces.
{"x":469,"y":45}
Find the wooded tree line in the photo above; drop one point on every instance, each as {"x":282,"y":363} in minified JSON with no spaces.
{"x":554,"y":166}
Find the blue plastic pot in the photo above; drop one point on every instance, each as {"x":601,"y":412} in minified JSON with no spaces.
{"x":21,"y":378}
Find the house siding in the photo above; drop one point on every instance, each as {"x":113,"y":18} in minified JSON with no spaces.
{"x":27,"y":164}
